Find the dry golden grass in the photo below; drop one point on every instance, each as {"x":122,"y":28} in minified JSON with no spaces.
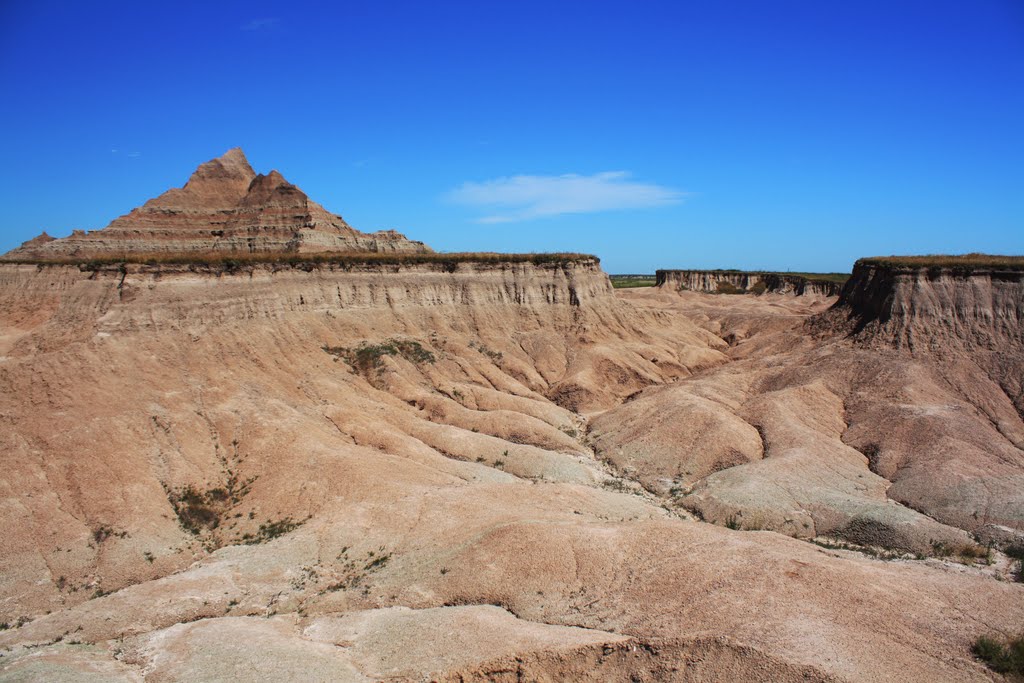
{"x":229,"y":261}
{"x":957,"y":262}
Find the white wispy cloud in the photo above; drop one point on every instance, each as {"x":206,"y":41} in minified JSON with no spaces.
{"x":522,"y":197}
{"x":259,"y":24}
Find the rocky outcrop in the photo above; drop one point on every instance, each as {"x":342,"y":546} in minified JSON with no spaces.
{"x":969,"y":308}
{"x":224,"y":207}
{"x":922,"y":307}
{"x":741,"y":282}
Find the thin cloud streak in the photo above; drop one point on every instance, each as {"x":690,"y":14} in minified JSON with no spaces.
{"x":259,"y":24}
{"x":525,"y":197}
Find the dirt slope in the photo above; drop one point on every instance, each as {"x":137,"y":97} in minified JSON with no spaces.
{"x":281,"y":474}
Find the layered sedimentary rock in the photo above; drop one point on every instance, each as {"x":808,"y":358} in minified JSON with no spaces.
{"x":934,"y":307}
{"x":742,"y":282}
{"x":224,"y":207}
{"x":315,"y":471}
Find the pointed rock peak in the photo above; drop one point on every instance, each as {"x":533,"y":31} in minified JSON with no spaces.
{"x":232,"y":165}
{"x":234,"y":155}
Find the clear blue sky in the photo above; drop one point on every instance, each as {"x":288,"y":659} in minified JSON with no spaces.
{"x":754,"y":134}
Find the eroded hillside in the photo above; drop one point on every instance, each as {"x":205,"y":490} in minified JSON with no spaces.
{"x":475,"y":471}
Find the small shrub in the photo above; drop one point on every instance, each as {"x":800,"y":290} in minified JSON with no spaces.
{"x":616,"y":485}
{"x":493,"y":355}
{"x":196,"y":511}
{"x":871,"y":451}
{"x":1002,"y":657}
{"x":370,"y":357}
{"x":1016,"y":551}
{"x":268,"y":531}
{"x":965,"y":553}
{"x":354,"y":574}
{"x":200,"y":511}
{"x":729,"y":288}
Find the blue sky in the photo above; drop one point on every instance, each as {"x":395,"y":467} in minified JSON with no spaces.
{"x":753,"y":134}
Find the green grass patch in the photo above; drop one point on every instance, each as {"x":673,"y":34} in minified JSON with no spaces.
{"x":631,"y":281}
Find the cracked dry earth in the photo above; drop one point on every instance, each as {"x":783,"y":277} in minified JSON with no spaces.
{"x":505,"y":472}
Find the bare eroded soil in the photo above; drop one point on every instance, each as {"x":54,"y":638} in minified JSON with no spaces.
{"x":495,"y":473}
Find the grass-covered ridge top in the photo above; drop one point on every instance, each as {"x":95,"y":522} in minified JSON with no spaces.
{"x":811,"y":277}
{"x":963,"y":262}
{"x":229,"y":261}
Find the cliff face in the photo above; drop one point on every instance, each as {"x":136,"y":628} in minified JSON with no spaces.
{"x":728,"y":282}
{"x":224,"y":207}
{"x":136,"y":296}
{"x":973,"y":312}
{"x":937,"y":308}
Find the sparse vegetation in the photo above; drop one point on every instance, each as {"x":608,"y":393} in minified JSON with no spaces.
{"x":964,"y":553}
{"x":729,"y":288}
{"x":200,"y":511}
{"x":758,"y":288}
{"x":493,"y":355}
{"x":369,"y":357}
{"x":197,"y":511}
{"x":268,"y":531}
{"x":963,"y":262}
{"x":617,"y":485}
{"x":872,"y":451}
{"x":232,"y":261}
{"x":871,"y":551}
{"x":1005,"y":656}
{"x":1016,"y":551}
{"x":355,"y":572}
{"x":737,"y":522}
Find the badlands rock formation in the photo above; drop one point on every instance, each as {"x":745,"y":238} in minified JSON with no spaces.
{"x":224,"y":207}
{"x":743,"y":282}
{"x":482,"y":471}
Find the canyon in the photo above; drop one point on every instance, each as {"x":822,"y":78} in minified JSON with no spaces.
{"x":496,"y":467}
